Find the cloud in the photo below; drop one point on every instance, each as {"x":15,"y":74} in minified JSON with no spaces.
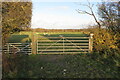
{"x":63,"y":7}
{"x":58,"y":8}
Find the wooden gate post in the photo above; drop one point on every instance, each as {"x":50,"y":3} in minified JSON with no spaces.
{"x":33,"y":37}
{"x":91,"y":43}
{"x":8,"y":48}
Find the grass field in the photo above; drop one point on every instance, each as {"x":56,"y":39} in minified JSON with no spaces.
{"x":17,"y":38}
{"x":26,"y":36}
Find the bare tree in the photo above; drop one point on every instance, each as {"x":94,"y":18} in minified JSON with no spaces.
{"x":91,"y":13}
{"x":109,"y":15}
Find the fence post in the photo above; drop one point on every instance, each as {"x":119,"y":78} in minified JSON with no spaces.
{"x":8,"y":47}
{"x":33,"y":43}
{"x":91,"y":43}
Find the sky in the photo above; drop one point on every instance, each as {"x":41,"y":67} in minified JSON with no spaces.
{"x":61,"y":15}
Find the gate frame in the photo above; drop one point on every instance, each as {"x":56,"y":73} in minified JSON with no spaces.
{"x":8,"y":45}
{"x":90,"y":46}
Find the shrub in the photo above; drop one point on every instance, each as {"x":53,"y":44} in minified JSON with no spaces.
{"x":106,"y":46}
{"x":103,"y":40}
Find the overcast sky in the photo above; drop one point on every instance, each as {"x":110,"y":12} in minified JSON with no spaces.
{"x":61,"y":15}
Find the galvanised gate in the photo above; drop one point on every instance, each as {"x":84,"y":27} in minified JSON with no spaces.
{"x":64,"y":44}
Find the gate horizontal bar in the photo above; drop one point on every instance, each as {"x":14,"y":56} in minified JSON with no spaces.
{"x":62,"y":46}
{"x":65,"y":50}
{"x":66,"y":37}
{"x":64,"y":40}
{"x":64,"y":53}
{"x":18,"y":43}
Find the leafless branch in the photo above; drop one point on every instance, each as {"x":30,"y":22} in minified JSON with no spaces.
{"x":84,"y":12}
{"x":91,"y":13}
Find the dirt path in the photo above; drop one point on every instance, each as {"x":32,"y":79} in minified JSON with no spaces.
{"x":51,"y":57}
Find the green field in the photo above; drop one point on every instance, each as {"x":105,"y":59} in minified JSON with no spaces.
{"x":26,"y":36}
{"x":17,"y":38}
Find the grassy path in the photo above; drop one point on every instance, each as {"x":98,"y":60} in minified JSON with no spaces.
{"x":58,"y":66}
{"x":70,"y":66}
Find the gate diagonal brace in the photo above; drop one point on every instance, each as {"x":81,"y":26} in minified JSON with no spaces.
{"x":74,"y":44}
{"x":14,"y":47}
{"x":52,"y":44}
{"x":22,"y":49}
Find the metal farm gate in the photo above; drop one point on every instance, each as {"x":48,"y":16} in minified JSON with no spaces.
{"x":64,"y":45}
{"x":15,"y":48}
